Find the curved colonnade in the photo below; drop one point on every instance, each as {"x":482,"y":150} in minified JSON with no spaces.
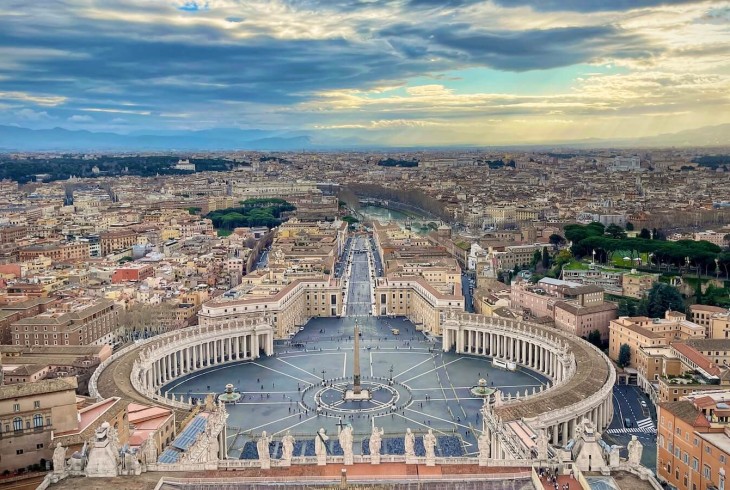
{"x":582,"y":375}
{"x":162,"y":359}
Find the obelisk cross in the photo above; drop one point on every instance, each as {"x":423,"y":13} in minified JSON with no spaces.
{"x":356,"y":369}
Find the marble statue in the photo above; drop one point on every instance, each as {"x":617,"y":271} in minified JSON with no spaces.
{"x":484,"y":448}
{"x":262,"y":445}
{"x":287,"y":449}
{"x":635,"y":449}
{"x":376,"y":440}
{"x":410,"y":445}
{"x":429,"y":442}
{"x":542,"y":445}
{"x":345,"y":438}
{"x":320,"y":447}
{"x":59,"y":458}
{"x":614,"y":459}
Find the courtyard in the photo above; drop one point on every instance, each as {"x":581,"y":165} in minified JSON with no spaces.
{"x":430,"y":388}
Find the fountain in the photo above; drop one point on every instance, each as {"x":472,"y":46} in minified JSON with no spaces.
{"x":481,"y":390}
{"x":229,"y":396}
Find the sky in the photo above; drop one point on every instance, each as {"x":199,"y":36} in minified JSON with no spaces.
{"x":393,"y":72}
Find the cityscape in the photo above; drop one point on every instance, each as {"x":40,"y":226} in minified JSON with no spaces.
{"x":365,"y":244}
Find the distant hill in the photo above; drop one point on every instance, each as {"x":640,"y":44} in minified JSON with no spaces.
{"x":24,"y":139}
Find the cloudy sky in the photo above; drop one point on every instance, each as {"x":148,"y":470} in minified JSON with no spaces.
{"x":393,"y":71}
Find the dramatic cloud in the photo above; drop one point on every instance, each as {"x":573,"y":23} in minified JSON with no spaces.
{"x":421,"y":66}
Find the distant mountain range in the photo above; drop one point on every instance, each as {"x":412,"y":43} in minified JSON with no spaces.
{"x":23,"y":139}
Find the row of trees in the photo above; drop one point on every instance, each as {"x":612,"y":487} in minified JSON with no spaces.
{"x":62,"y":168}
{"x":253,"y":212}
{"x":703,"y":255}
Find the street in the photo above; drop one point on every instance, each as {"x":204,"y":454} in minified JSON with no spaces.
{"x":641,"y":420}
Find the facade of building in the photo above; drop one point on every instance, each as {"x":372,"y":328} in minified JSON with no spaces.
{"x":87,"y":323}
{"x":703,"y":315}
{"x":29,"y":415}
{"x":693,"y":442}
{"x":637,"y":284}
{"x":638,"y":332}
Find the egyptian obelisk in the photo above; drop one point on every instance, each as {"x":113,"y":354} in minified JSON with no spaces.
{"x":356,"y":368}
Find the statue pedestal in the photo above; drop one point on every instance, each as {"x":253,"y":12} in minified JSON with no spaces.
{"x":483,"y":461}
{"x":375,"y":459}
{"x":351,"y":396}
{"x":411,"y":459}
{"x":285,"y":463}
{"x":322,"y":460}
{"x":349,"y":459}
{"x":430,"y":461}
{"x":265,"y":464}
{"x":102,"y":461}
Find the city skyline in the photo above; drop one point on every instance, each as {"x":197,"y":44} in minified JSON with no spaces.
{"x":392,"y":73}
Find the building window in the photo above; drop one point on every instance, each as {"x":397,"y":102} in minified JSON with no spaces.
{"x":37,"y":420}
{"x":707,"y":471}
{"x":39,"y":446}
{"x":695,"y":464}
{"x":16,"y":407}
{"x":17,"y":424}
{"x":18,"y":452}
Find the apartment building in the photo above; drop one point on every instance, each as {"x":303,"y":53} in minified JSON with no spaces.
{"x":55,"y":251}
{"x":418,"y":299}
{"x":720,"y":326}
{"x":29,"y":415}
{"x":703,"y":315}
{"x":288,"y":305}
{"x":76,"y":322}
{"x":693,"y":441}
{"x":638,"y":332}
{"x":653,"y":363}
{"x":10,"y":234}
{"x":637,"y":284}
{"x":575,"y":308}
{"x":12,"y":312}
{"x":711,"y":236}
{"x":113,"y":241}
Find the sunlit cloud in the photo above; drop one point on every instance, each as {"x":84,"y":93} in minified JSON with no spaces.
{"x":620,"y":68}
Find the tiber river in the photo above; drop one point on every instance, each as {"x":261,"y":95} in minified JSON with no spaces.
{"x":384,"y":215}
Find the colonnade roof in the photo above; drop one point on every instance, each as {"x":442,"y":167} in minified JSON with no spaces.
{"x":591,"y":374}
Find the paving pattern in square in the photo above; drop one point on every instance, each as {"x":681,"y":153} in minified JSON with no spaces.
{"x":438,"y":383}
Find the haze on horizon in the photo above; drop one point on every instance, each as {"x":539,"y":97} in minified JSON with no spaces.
{"x":393,"y":72}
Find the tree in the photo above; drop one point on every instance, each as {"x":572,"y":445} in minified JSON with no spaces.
{"x":594,"y":338}
{"x":556,"y":240}
{"x":629,"y":226}
{"x":623,"y":308}
{"x":545,"y":258}
{"x":615,"y":231}
{"x":536,"y":256}
{"x":624,"y":356}
{"x":645,"y":234}
{"x":663,"y":297}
